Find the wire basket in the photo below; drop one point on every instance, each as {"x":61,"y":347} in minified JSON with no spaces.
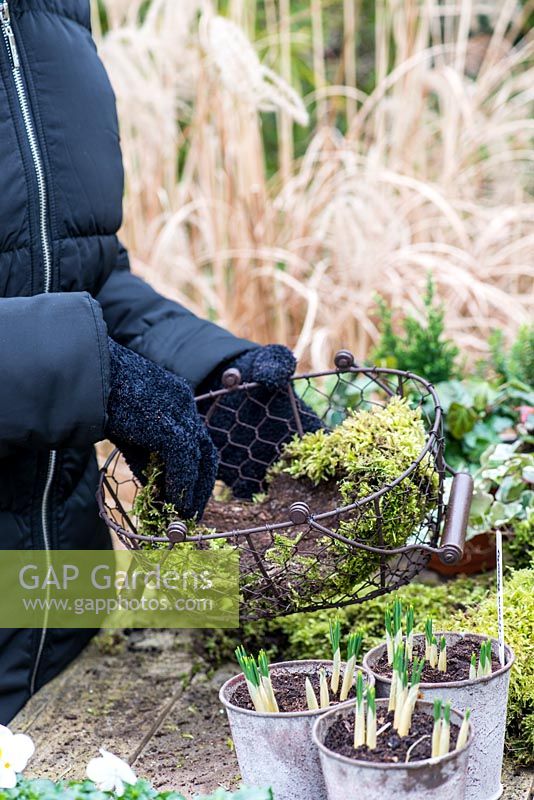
{"x":312,"y":551}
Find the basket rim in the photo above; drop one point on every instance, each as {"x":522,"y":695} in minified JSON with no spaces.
{"x":372,"y":372}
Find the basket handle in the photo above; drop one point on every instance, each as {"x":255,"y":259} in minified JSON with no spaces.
{"x":456,"y":519}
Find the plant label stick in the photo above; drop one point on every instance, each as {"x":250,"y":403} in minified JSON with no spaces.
{"x":500,"y":596}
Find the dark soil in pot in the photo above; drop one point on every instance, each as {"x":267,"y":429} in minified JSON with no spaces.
{"x":390,"y":747}
{"x":290,"y":690}
{"x":458,"y":661}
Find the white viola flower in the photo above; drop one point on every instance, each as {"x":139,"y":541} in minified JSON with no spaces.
{"x":110,"y":773}
{"x":16,"y":749}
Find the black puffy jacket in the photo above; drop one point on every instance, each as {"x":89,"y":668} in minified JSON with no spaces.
{"x":65,"y":285}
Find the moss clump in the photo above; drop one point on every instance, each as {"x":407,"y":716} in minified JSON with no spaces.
{"x":381,"y":441}
{"x":367,"y":451}
{"x":153,"y":514}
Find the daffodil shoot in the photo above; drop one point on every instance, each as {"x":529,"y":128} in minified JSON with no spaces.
{"x":410,"y":619}
{"x":311,"y":698}
{"x":370,"y":736}
{"x":473,"y":668}
{"x":410,"y":699}
{"x":354,"y":646}
{"x":484,"y":660}
{"x":436,"y":731}
{"x":442,"y":659}
{"x":359,"y":713}
{"x":323,"y":690}
{"x":319,"y":689}
{"x":429,"y":638}
{"x":335,"y":639}
{"x":464,"y":730}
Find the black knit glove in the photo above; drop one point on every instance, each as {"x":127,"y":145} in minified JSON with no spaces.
{"x":250,"y":427}
{"x":150,"y":411}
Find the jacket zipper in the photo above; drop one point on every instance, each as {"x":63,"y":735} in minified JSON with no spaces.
{"x":11,"y":44}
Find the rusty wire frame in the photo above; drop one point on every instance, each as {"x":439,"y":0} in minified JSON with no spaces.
{"x":323,"y":566}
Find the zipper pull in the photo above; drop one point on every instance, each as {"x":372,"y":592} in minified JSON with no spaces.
{"x":5,"y":21}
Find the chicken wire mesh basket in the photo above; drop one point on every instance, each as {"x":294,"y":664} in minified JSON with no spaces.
{"x":307,"y":550}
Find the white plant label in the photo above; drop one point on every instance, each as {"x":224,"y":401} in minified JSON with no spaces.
{"x":500,"y":598}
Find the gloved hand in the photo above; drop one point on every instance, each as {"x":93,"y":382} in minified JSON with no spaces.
{"x":150,"y":411}
{"x":250,"y":427}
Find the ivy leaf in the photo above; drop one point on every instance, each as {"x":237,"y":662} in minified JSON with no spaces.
{"x":501,"y":513}
{"x":481,"y":504}
{"x":460,"y":420}
{"x":510,"y":489}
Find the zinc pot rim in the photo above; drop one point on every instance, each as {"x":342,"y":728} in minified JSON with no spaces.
{"x":509,"y":653}
{"x":277,"y":715}
{"x":411,"y":765}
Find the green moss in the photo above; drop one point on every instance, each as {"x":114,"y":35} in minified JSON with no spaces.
{"x":152,"y":514}
{"x":380,"y":441}
{"x":306,"y":635}
{"x":368,"y":450}
{"x":520,"y":547}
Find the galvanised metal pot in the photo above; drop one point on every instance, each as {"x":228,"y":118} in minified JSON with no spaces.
{"x":486,"y":697}
{"x":276,"y":750}
{"x":441,"y":778}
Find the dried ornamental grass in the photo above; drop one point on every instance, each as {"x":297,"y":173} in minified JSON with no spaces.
{"x":432,"y":175}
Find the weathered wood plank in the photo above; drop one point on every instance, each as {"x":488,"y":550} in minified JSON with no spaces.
{"x":114,"y":699}
{"x":192,"y":750}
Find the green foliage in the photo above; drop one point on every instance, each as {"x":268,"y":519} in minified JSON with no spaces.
{"x":519,"y":634}
{"x":478,"y":414}
{"x":517,"y":363}
{"x":421,"y":346}
{"x":38,"y":789}
{"x":504,"y":488}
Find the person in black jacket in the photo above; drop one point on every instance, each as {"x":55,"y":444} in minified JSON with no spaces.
{"x":87,"y":349}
